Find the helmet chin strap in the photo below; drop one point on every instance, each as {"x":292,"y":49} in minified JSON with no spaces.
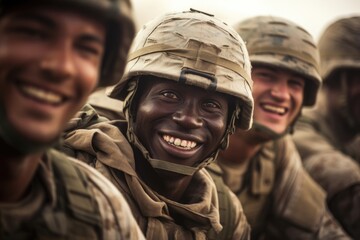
{"x":161,"y":164}
{"x":18,"y":142}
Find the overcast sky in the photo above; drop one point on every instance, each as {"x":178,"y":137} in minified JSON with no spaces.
{"x":313,"y":15}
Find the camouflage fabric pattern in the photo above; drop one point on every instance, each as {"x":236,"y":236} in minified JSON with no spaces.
{"x":118,"y":222}
{"x":116,"y":219}
{"x":280,"y":199}
{"x":331,"y":162}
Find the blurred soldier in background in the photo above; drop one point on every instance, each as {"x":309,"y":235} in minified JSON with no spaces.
{"x":51,"y":56}
{"x":187,"y":83}
{"x":262,"y":166}
{"x":328,"y":135}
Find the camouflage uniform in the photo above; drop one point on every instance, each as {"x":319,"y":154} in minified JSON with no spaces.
{"x":279,"y":198}
{"x":326,"y":136}
{"x":97,"y":212}
{"x":196,"y":49}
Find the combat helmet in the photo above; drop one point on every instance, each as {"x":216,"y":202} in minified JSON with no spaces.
{"x":120,"y":30}
{"x":339,"y":46}
{"x":117,"y":15}
{"x":278,"y":42}
{"x":197,"y":49}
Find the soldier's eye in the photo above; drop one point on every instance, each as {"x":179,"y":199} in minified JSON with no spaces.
{"x":297,"y":83}
{"x":169,"y":94}
{"x":212,"y":104}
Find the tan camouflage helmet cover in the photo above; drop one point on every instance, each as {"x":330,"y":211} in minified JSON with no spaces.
{"x":117,"y":15}
{"x":339,"y":46}
{"x":278,"y":42}
{"x":195,"y":48}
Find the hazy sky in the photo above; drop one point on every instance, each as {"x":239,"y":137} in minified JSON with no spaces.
{"x":313,"y":15}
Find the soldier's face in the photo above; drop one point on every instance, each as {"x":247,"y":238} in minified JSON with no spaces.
{"x":49,"y":63}
{"x":278,"y":97}
{"x":180,"y":123}
{"x":353,"y":82}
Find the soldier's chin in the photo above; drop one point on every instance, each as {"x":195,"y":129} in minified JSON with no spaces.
{"x":38,"y":145}
{"x":43,"y":139}
{"x":26,"y":143}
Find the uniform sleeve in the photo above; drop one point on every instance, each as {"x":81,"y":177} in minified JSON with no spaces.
{"x":242,"y":228}
{"x":299,"y":202}
{"x":340,"y":177}
{"x":117,"y":219}
{"x":327,"y":165}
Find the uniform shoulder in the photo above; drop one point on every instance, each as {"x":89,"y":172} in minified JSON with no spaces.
{"x":114,"y":210}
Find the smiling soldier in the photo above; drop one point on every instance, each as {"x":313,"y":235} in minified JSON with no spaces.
{"x":187,"y":83}
{"x":51,"y":56}
{"x":262,"y":165}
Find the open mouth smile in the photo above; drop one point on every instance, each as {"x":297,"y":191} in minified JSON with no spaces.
{"x":179,"y":143}
{"x":275,"y":109}
{"x":41,"y":95}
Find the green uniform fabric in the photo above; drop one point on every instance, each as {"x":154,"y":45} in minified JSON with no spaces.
{"x":332,"y":162}
{"x":104,"y":146}
{"x":68,"y":200}
{"x":279,"y":198}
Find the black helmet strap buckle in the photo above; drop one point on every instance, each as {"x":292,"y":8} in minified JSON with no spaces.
{"x":212,"y":78}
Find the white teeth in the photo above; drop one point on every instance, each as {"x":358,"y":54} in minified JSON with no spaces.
{"x":41,"y":94}
{"x":186,"y":144}
{"x":278,"y":110}
{"x":183,"y":143}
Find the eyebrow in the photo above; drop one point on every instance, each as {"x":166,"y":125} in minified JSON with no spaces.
{"x":43,"y":20}
{"x":92,"y":38}
{"x":50,"y":24}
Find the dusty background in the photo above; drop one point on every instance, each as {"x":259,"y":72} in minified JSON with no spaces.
{"x":313,"y":15}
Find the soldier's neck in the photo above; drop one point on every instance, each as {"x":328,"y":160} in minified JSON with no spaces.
{"x":16,"y":173}
{"x":242,"y":148}
{"x":168,"y":184}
